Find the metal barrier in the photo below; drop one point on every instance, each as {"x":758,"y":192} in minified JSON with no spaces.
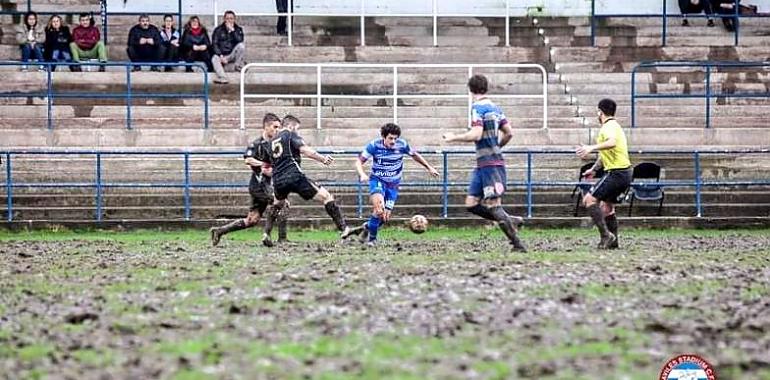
{"x":362,"y":14}
{"x":736,"y":16}
{"x":707,"y":95}
{"x":49,"y":93}
{"x":319,"y":96}
{"x":103,"y":12}
{"x":186,"y":183}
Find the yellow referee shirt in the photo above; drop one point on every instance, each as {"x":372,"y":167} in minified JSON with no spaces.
{"x":617,"y":157}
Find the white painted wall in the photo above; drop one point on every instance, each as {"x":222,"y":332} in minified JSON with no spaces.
{"x":474,"y":7}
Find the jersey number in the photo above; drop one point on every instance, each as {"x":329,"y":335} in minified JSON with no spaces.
{"x":277,"y":148}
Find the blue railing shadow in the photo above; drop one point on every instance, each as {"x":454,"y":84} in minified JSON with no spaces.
{"x":664,"y":15}
{"x":187,"y":184}
{"x":128,"y":95}
{"x":707,"y":95}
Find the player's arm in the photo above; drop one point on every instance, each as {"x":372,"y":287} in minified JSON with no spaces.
{"x":313,"y":155}
{"x":598,"y":165}
{"x":507,"y":133}
{"x":584,"y":150}
{"x":473,"y":135}
{"x":267,"y":169}
{"x":360,"y":169}
{"x":417,"y":157}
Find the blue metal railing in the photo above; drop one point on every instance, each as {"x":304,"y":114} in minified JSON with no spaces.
{"x":736,"y":16}
{"x":103,"y":12}
{"x":128,"y":94}
{"x":707,"y":94}
{"x":187,"y":184}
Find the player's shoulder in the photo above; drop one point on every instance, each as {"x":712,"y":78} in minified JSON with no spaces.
{"x":401,"y":142}
{"x":375,"y":143}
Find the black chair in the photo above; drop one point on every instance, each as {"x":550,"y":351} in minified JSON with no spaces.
{"x":583,"y":188}
{"x":643,"y":191}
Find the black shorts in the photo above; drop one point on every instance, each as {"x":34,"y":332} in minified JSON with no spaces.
{"x":612,"y":185}
{"x":261,"y":197}
{"x":306,"y":188}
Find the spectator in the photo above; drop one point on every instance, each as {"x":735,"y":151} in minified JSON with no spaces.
{"x":195,"y":45}
{"x":144,"y":43}
{"x":86,"y":41}
{"x":282,"y":6}
{"x":57,"y":42}
{"x":694,"y":7}
{"x":725,"y":7}
{"x":229,"y":49}
{"x":30,"y":37}
{"x":169,"y":50}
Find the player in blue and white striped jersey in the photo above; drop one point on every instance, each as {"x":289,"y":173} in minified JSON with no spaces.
{"x":387,"y":155}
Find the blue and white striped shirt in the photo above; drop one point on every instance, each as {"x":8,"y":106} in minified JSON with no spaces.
{"x":387,"y":163}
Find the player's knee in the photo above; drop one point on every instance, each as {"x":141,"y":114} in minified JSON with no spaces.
{"x":471,"y":202}
{"x":589,"y":200}
{"x":251,"y":219}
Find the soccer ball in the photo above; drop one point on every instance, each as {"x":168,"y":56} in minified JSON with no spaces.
{"x":418,"y":224}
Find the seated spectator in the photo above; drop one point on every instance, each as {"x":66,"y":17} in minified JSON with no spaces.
{"x":86,"y":42}
{"x":195,"y":45}
{"x":694,"y":7}
{"x":144,"y":43}
{"x":57,"y":42}
{"x":30,"y":37}
{"x":229,"y":49}
{"x":169,"y":36}
{"x":725,"y":7}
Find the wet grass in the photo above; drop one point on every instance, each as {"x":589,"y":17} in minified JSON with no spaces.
{"x":451,"y":303}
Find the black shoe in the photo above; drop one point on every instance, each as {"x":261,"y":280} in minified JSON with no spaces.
{"x":168,"y":69}
{"x":155,"y":69}
{"x":710,"y":23}
{"x":347,"y":232}
{"x":607,"y":241}
{"x":283,"y":33}
{"x":519,"y":248}
{"x":136,"y":68}
{"x":214,"y":236}
{"x":188,"y":69}
{"x":267,"y":241}
{"x":685,"y":22}
{"x":102,"y":69}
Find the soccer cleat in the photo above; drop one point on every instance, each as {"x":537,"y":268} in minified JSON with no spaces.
{"x":519,"y":248}
{"x":517,"y":221}
{"x":614,"y":245}
{"x":607,"y":241}
{"x":214,"y":236}
{"x":371,"y":243}
{"x":266,"y":241}
{"x":347,"y":232}
{"x":282,"y":241}
{"x":364,"y":237}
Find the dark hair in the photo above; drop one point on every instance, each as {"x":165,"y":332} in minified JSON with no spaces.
{"x":269,"y":118}
{"x":478,"y":84}
{"x":289,"y":120}
{"x":168,"y":15}
{"x":90,"y":16}
{"x":144,"y":15}
{"x":229,"y":12}
{"x":390,"y":129}
{"x":608,"y":107}
{"x":26,"y":18}
{"x":188,"y":25}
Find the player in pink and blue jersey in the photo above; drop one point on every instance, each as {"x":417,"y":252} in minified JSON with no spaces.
{"x":387,"y":155}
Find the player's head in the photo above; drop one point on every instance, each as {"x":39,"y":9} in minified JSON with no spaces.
{"x":291,"y":123}
{"x":271,"y":123}
{"x":478,"y":84}
{"x":390,"y":133}
{"x":607,"y":108}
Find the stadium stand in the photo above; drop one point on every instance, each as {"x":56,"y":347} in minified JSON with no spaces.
{"x":579,"y":75}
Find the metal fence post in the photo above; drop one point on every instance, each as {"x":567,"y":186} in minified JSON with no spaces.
{"x":665,"y":22}
{"x":395,"y":94}
{"x":698,"y":183}
{"x":593,"y":22}
{"x":507,"y":23}
{"x":290,"y":22}
{"x":128,"y":97}
{"x":633,"y":98}
{"x":318,"y":97}
{"x":708,"y":96}
{"x":737,"y":20}
{"x":445,"y":185}
{"x":179,"y":14}
{"x":363,"y":23}
{"x":187,"y":186}
{"x":103,"y":13}
{"x":49,"y":80}
{"x":529,"y":184}
{"x":206,"y":100}
{"x":435,"y":22}
{"x":470,"y":98}
{"x":29,"y":6}
{"x":359,"y":200}
{"x":98,"y":187}
{"x":8,"y":187}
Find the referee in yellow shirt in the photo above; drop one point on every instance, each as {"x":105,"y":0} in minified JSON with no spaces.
{"x":613,"y":157}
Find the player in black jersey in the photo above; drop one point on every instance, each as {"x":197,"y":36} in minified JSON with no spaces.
{"x":288,"y":177}
{"x":281,"y":214}
{"x":259,"y":186}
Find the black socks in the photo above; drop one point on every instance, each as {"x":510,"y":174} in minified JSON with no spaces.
{"x":334,"y":211}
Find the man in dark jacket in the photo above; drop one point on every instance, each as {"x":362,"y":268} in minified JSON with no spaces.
{"x":144,"y":43}
{"x":229,"y":49}
{"x":694,"y":7}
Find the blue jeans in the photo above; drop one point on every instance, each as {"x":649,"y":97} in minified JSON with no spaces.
{"x":60,"y":56}
{"x":27,"y":52}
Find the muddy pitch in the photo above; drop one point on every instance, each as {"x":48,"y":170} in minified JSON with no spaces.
{"x":450,"y":305}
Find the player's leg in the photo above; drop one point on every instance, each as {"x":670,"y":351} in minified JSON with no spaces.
{"x":308,"y":189}
{"x":251,"y":219}
{"x":608,"y":209}
{"x":282,"y":220}
{"x":278,"y":204}
{"x":591,"y":203}
{"x":377,"y":198}
{"x":493,"y":187}
{"x":475,"y":194}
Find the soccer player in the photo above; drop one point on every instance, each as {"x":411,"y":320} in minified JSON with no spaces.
{"x":387,"y":155}
{"x":275,"y":214}
{"x":613,"y":157}
{"x":490,"y":131}
{"x":259,"y":186}
{"x":288,"y":177}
